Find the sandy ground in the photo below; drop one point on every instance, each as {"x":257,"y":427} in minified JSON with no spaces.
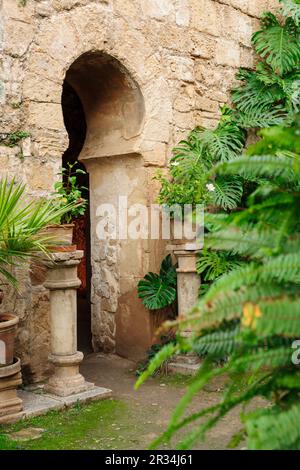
{"x":151,"y":406}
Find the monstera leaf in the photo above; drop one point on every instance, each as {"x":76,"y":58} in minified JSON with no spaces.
{"x":278,"y":44}
{"x":168,"y":271}
{"x":159,"y":290}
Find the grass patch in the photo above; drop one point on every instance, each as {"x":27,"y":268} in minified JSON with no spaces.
{"x":177,"y":380}
{"x":99,"y":425}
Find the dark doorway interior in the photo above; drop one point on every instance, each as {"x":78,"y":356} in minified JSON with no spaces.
{"x":75,"y":124}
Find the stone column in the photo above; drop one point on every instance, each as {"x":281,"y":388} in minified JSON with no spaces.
{"x":188,"y":284}
{"x":11,"y":405}
{"x":62,"y":282}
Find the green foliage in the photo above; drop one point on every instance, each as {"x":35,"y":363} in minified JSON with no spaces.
{"x":212,"y":265}
{"x":278,"y":44}
{"x":152,"y":352}
{"x":12,"y":139}
{"x":159,"y":290}
{"x":292,"y":8}
{"x":267,"y":96}
{"x":69,"y":192}
{"x":164,"y":353}
{"x":228,"y":192}
{"x":274,"y":429}
{"x":251,"y":312}
{"x":218,"y":343}
{"x":275,"y":140}
{"x":21,"y":227}
{"x":193,"y":160}
{"x":259,"y":300}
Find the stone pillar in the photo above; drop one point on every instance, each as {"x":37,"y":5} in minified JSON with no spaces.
{"x":62,"y":282}
{"x":188,"y":284}
{"x":11,"y":405}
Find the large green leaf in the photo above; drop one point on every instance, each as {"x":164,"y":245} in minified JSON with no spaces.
{"x":277,"y":44}
{"x":228,"y":192}
{"x":212,"y":264}
{"x":259,"y":89}
{"x":223,"y":143}
{"x":168,"y":271}
{"x":159,"y":290}
{"x":155,"y":292}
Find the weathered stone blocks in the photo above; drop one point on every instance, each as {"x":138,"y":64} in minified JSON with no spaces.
{"x":182,"y":56}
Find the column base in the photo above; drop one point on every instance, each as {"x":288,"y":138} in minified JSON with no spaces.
{"x":185,"y":364}
{"x":66,"y":379}
{"x":11,"y":405}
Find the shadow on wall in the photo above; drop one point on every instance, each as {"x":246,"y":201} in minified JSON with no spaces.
{"x":112,"y":101}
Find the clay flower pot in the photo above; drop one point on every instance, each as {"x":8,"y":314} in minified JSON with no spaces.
{"x":61,"y":235}
{"x":8,"y":331}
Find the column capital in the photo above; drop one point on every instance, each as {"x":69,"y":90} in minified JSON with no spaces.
{"x":64,"y":258}
{"x":186,"y":261}
{"x":62,"y":272}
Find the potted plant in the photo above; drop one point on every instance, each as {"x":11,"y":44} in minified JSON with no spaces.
{"x":68,"y":192}
{"x":22,"y":237}
{"x":192,"y":180}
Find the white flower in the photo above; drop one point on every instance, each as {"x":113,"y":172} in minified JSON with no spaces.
{"x":210,"y":187}
{"x":175,"y":163}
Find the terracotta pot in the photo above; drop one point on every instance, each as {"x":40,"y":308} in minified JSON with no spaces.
{"x":8,"y":331}
{"x":61,"y":235}
{"x":63,"y":248}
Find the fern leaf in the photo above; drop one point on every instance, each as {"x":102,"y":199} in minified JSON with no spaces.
{"x":281,"y":269}
{"x":257,"y":244}
{"x":274,"y":429}
{"x":219,"y":343}
{"x":228,"y":305}
{"x":285,"y":165}
{"x":280,"y":317}
{"x":273,"y":358}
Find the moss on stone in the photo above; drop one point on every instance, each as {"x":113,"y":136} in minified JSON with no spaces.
{"x":94,"y":426}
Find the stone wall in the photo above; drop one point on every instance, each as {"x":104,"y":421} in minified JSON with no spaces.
{"x":180,"y":57}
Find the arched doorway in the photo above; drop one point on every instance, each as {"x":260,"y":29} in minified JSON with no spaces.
{"x":74,"y":120}
{"x":108,"y":144}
